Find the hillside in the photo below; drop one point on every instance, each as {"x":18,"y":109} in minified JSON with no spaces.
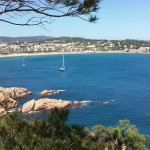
{"x":21,"y":39}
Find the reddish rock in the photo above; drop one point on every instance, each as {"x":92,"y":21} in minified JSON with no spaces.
{"x":40,"y":104}
{"x":8,"y":103}
{"x":76,"y":104}
{"x":29,"y":106}
{"x":47,"y":104}
{"x":19,"y":110}
{"x":3,"y":96}
{"x":11,"y":104}
{"x":49,"y":92}
{"x":15,"y":92}
{"x":8,"y":96}
{"x":44,"y":104}
{"x":3,"y":112}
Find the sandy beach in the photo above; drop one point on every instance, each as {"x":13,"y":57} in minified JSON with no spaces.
{"x":28,"y":54}
{"x":58,"y":53}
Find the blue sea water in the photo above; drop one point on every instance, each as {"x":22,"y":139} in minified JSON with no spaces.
{"x":111,"y":86}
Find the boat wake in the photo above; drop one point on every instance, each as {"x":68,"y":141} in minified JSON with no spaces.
{"x":90,"y":102}
{"x":86,"y":103}
{"x":31,"y":112}
{"x":12,"y":110}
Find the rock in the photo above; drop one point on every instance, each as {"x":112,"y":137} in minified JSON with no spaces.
{"x":76,"y":103}
{"x":40,"y":104}
{"x":29,"y":106}
{"x":8,"y":96}
{"x":8,"y":103}
{"x":47,"y":104}
{"x":15,"y":92}
{"x":18,"y":93}
{"x":44,"y":104}
{"x":19,"y":110}
{"x":11,"y":104}
{"x":3,"y":112}
{"x":29,"y":93}
{"x":49,"y":92}
{"x":3,"y":96}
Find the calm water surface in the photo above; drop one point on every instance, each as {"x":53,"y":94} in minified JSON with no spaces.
{"x":111,"y":86}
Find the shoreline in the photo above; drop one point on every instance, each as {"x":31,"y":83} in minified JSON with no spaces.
{"x":59,"y":53}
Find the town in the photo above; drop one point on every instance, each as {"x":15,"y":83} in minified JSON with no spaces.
{"x":67,"y":44}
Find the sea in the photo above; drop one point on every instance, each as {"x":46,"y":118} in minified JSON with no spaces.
{"x":111,"y":87}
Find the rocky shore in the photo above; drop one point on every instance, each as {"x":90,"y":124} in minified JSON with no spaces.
{"x":14,"y":93}
{"x":9,"y":97}
{"x":50,"y":92}
{"x":47,"y":104}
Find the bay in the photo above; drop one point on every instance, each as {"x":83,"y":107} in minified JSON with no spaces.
{"x":111,"y":87}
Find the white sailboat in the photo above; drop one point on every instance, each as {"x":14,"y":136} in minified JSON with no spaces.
{"x":23,"y":64}
{"x":63,"y":64}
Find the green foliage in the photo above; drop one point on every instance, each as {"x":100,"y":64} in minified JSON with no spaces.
{"x":56,"y":134}
{"x":16,"y":134}
{"x":56,"y":116}
{"x":124,"y":135}
{"x":41,"y":12}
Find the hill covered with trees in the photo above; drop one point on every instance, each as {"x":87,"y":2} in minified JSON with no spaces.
{"x":24,"y":39}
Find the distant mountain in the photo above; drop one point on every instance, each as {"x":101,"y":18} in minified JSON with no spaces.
{"x":22,"y":39}
{"x":73,"y":39}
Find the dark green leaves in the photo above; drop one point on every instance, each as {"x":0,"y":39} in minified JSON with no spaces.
{"x":56,"y":134}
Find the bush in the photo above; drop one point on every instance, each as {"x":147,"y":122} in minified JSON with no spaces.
{"x":55,"y":134}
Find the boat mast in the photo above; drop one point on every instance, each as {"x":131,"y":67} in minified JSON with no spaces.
{"x":63,"y":65}
{"x":23,"y":64}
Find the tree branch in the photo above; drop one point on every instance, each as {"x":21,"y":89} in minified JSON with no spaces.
{"x":47,"y":9}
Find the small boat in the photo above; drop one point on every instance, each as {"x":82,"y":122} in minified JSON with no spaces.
{"x":61,"y":69}
{"x":63,"y":65}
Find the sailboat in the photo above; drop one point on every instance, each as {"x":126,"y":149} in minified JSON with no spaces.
{"x":63,"y":64}
{"x":23,"y":64}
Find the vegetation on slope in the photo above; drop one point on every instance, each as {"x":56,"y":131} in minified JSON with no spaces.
{"x":55,"y":134}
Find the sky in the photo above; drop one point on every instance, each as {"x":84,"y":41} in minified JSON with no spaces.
{"x":118,"y":19}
